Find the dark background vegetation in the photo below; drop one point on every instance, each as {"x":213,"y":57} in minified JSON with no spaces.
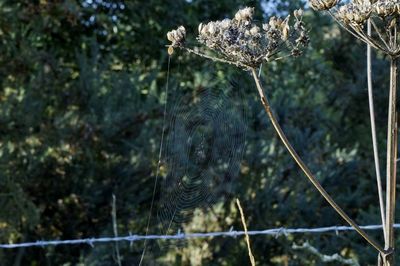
{"x":81,"y":111}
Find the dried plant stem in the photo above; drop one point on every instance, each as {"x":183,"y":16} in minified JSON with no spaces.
{"x":391,"y":163}
{"x":373,"y":133}
{"x":305,"y":169}
{"x":252,"y":260}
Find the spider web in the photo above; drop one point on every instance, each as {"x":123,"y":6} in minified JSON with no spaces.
{"x":204,"y":147}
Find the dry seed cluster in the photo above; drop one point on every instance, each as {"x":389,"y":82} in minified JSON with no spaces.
{"x":358,"y":11}
{"x":354,"y":14}
{"x":323,"y":4}
{"x":384,"y":14}
{"x":177,"y":37}
{"x":241,"y":40}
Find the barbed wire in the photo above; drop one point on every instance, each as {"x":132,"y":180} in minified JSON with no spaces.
{"x":232,"y":233}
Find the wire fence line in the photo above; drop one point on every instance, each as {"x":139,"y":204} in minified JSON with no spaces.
{"x":232,"y":233}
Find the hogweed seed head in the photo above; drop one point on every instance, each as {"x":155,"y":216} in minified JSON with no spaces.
{"x":354,"y":15}
{"x":365,"y":2}
{"x":245,"y":14}
{"x":177,"y":37}
{"x":298,"y":14}
{"x":319,"y":5}
{"x":241,"y":41}
{"x":254,"y":31}
{"x":387,"y":8}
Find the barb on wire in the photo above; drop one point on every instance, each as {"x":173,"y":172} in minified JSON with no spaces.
{"x":231,"y":233}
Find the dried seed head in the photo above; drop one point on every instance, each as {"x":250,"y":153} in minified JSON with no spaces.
{"x":211,"y":28}
{"x":319,"y":5}
{"x":364,"y":2}
{"x":359,"y":11}
{"x":383,"y":14}
{"x":177,"y":37}
{"x":170,"y":50}
{"x":354,"y":14}
{"x":241,"y":40}
{"x":298,"y":13}
{"x":201,"y":27}
{"x":386,"y":8}
{"x":275,"y":22}
{"x":224,"y":24}
{"x":255,"y":30}
{"x":285,"y":28}
{"x":266,"y":27}
{"x":245,"y":14}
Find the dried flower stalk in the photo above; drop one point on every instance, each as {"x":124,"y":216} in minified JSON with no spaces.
{"x":384,"y":16}
{"x":373,"y":134}
{"x":240,"y":42}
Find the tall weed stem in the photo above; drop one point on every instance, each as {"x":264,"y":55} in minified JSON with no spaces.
{"x":373,"y":133}
{"x":391,"y":164}
{"x":305,"y":169}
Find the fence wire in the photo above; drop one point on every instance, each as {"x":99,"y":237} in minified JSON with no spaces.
{"x":231,"y":233}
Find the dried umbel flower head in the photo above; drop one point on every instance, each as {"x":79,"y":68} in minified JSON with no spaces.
{"x":387,"y":8}
{"x":245,"y":14}
{"x":242,"y":41}
{"x":354,"y":15}
{"x":323,"y":4}
{"x":177,"y":37}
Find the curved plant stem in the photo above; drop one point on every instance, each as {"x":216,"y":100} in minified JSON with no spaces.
{"x":305,"y":169}
{"x":373,"y":133}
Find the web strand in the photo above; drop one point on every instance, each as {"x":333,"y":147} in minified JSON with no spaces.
{"x":159,"y":161}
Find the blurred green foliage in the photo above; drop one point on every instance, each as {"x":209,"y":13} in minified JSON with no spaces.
{"x":81,"y":116}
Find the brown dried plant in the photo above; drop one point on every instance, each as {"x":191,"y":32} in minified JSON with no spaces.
{"x":241,"y":42}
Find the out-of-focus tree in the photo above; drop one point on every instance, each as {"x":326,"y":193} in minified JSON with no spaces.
{"x":81,"y":116}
